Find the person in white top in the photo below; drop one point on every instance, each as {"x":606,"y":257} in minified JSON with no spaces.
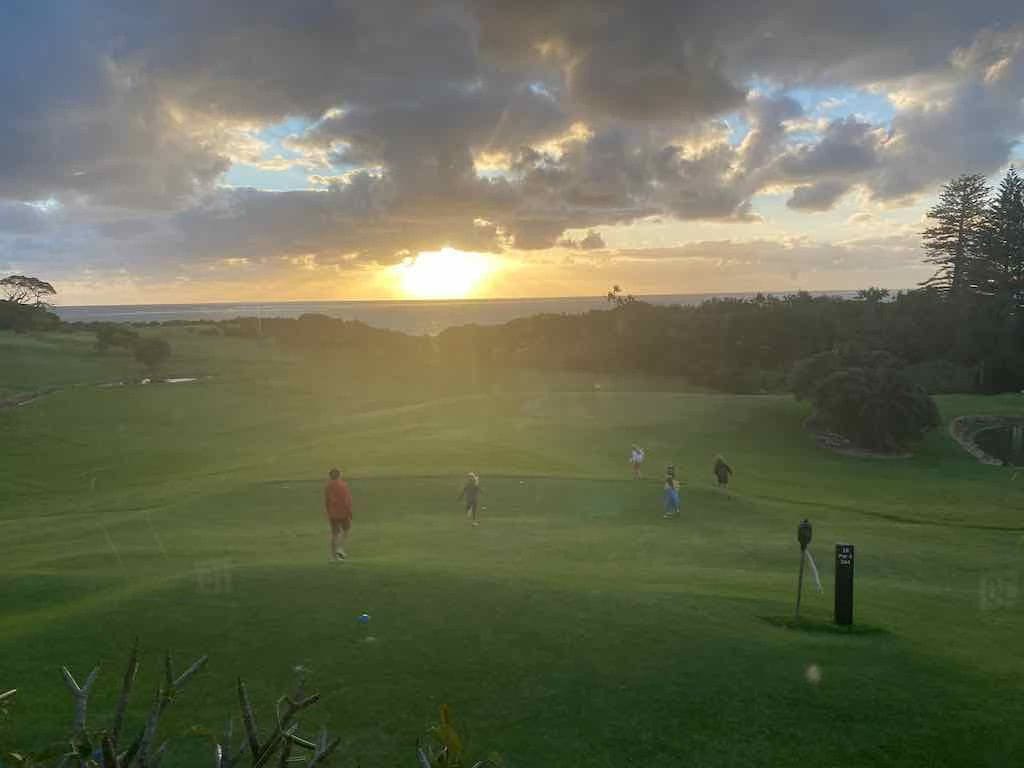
{"x":636,"y":458}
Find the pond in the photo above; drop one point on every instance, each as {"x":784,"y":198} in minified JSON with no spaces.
{"x":1005,"y":443}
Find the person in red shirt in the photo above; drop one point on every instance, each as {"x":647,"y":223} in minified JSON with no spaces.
{"x":338,"y":503}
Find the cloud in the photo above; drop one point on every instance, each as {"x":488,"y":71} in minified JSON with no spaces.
{"x":762,"y":262}
{"x":422,"y":120}
{"x":22,"y":218}
{"x":820,"y":196}
{"x":589,"y":242}
{"x":848,"y":146}
{"x":969,"y":121}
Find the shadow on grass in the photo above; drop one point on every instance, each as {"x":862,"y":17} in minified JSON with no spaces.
{"x":817,"y":626}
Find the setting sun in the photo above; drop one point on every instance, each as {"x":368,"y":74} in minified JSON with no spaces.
{"x":444,"y":274}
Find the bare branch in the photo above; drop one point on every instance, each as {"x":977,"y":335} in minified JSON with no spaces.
{"x":224,"y":748}
{"x":185,"y":676}
{"x":150,"y":730}
{"x":69,"y":681}
{"x":80,"y":693}
{"x":168,"y":674}
{"x":249,"y":720}
{"x":126,"y":689}
{"x":300,"y":742}
{"x":283,"y":723}
{"x":324,"y":750}
{"x":109,"y":753}
{"x":158,"y":756}
{"x":286,"y":752}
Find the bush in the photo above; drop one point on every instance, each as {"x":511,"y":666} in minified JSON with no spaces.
{"x":879,"y":409}
{"x":941,"y":377}
{"x":109,"y":336}
{"x":22,"y":318}
{"x":152,"y":352}
{"x":115,"y":746}
{"x":808,"y":374}
{"x":867,"y":396}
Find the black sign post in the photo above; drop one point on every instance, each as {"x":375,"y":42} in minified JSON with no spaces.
{"x":803,"y":537}
{"x":844,"y":585}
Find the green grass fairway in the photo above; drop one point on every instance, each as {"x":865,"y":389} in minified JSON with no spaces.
{"x":574,"y":627}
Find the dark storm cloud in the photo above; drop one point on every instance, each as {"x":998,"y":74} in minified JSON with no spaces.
{"x":131,"y":105}
{"x":798,"y":41}
{"x":439,"y":124}
{"x":79,"y":122}
{"x":847,"y":146}
{"x":362,"y":220}
{"x":817,"y":197}
{"x":673,"y":73}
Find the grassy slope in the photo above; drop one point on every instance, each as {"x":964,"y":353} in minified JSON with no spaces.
{"x":574,"y":627}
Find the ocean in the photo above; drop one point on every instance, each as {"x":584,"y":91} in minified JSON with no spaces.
{"x":414,"y":317}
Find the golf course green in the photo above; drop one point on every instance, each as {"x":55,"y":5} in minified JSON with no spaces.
{"x":574,"y":627}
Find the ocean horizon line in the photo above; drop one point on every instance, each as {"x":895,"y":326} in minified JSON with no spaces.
{"x":412,"y":316}
{"x":469,"y":300}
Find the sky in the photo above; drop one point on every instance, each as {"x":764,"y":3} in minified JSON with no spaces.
{"x":164,"y":151}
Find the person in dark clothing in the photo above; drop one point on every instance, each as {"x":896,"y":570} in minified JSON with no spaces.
{"x":471,"y":493}
{"x":722,"y":471}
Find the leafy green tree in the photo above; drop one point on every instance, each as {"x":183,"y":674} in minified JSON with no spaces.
{"x":958,"y":235}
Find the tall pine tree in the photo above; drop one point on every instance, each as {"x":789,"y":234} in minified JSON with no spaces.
{"x":957,"y":238}
{"x":1001,"y":271}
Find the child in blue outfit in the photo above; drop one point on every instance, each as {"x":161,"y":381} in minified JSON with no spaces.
{"x":671,"y":496}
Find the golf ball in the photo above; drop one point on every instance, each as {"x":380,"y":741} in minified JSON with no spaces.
{"x":813,"y":674}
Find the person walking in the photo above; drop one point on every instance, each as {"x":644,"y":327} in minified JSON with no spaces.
{"x":338,"y":504}
{"x":722,"y":471}
{"x":636,"y":459}
{"x":471,"y":493}
{"x":671,"y":495}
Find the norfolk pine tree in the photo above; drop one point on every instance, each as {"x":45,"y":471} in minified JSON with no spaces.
{"x":956,"y":240}
{"x":1001,"y":272}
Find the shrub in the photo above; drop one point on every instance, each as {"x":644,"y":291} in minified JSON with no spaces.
{"x":22,"y":318}
{"x":86,"y":747}
{"x":880,"y":409}
{"x":109,"y":336}
{"x":253,"y":747}
{"x":866,"y":396}
{"x":152,"y":352}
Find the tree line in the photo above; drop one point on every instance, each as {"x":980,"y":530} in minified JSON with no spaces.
{"x":960,"y":331}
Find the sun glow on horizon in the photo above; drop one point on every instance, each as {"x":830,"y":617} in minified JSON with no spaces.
{"x":445,"y":274}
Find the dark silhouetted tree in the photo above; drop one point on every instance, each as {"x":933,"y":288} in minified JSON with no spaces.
{"x":22,"y":289}
{"x":1001,"y":271}
{"x":957,"y":238}
{"x":617,"y":298}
